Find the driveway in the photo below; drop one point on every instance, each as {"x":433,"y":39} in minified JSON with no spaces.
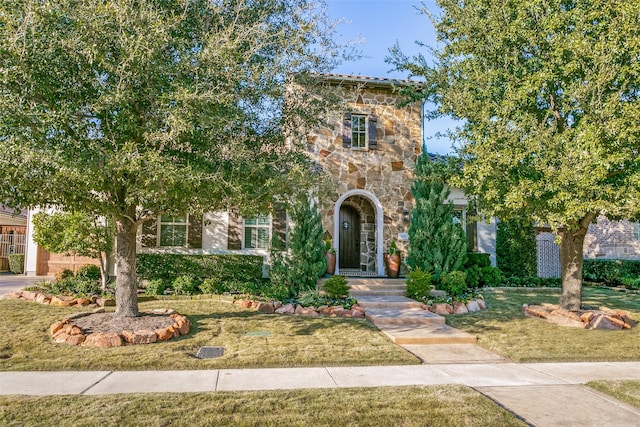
{"x":13,"y":282}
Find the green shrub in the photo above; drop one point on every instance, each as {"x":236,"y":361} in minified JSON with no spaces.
{"x":609,"y":271}
{"x":74,"y":286}
{"x":213,"y":285}
{"x":473,"y":276}
{"x":490,"y":276}
{"x":631,"y":282}
{"x":531,"y":282}
{"x":275,"y":291}
{"x":168,"y":267}
{"x":155,"y":287}
{"x":336,"y":287}
{"x":454,"y":283}
{"x":418,"y":283}
{"x":63,"y":274}
{"x":184,"y":285}
{"x":89,"y":271}
{"x":16,"y":263}
{"x":516,"y":248}
{"x":477,"y":259}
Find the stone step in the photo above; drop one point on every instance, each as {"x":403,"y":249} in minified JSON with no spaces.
{"x":378,"y":287}
{"x":376,"y":281}
{"x":378,"y":292}
{"x":397,"y":302}
{"x":405,"y":317}
{"x":428,"y":334}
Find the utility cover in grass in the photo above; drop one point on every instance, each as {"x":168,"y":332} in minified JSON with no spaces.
{"x":258,"y":334}
{"x":209,"y":352}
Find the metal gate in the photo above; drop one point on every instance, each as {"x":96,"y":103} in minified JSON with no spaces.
{"x":548,"y":255}
{"x":10,"y":244}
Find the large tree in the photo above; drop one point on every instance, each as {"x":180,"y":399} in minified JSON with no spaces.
{"x":134,"y":108}
{"x":547,"y":92}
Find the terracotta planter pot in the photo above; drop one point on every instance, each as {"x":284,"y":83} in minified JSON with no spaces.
{"x":331,"y":263}
{"x":392,"y":263}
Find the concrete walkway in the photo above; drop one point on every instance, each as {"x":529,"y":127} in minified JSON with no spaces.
{"x":542,"y":394}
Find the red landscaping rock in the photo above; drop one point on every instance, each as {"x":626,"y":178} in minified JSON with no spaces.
{"x":55,"y":327}
{"x":43,"y":299}
{"x":347,"y":313}
{"x":103,"y":340}
{"x":265,"y":307}
{"x":75,"y":339}
{"x":536,"y":311}
{"x":164,"y":334}
{"x":29,"y":295}
{"x":358,"y":314}
{"x":127,"y":335}
{"x":60,"y":337}
{"x":62,"y":301}
{"x":473,"y":306}
{"x":144,"y":337}
{"x":602,"y":321}
{"x":12,"y":295}
{"x":336,"y":311}
{"x":481,"y":303}
{"x":562,"y":320}
{"x":286,"y":309}
{"x":306,"y":311}
{"x":460,"y":308}
{"x":442,"y":309}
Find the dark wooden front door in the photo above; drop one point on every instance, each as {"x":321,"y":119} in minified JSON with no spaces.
{"x":349,"y":250}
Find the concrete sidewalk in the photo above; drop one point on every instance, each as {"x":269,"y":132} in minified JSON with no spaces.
{"x":542,"y":394}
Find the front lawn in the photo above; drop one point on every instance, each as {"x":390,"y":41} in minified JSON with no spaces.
{"x":504,"y":329}
{"x":627,"y":391}
{"x":25,"y":343}
{"x":390,"y":406}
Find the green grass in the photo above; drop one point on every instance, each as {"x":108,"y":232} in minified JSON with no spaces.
{"x":402,"y":406}
{"x":627,"y":391}
{"x":504,"y":329}
{"x":25,"y":343}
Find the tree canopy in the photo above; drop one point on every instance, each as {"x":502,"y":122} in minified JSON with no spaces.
{"x":547,"y":94}
{"x":135,"y":108}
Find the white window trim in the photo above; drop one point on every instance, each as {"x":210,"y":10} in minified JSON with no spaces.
{"x":173,"y":223}
{"x":268,"y":227}
{"x":366,"y":132}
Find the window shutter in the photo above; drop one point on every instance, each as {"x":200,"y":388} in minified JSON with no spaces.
{"x":194,"y":239}
{"x":234,"y":235}
{"x":279,"y":229}
{"x":346,"y":130}
{"x":150,"y":233}
{"x":372,"y":130}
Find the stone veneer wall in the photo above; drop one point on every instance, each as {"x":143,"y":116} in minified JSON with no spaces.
{"x":612,"y":240}
{"x":386,"y":171}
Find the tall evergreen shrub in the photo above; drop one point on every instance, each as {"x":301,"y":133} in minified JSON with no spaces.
{"x":306,"y":261}
{"x":436,"y":243}
{"x":516,"y":252}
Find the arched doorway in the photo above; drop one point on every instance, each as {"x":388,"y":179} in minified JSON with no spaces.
{"x":349,"y":239}
{"x":370,"y":215}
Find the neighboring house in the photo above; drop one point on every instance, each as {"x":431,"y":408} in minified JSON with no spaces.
{"x":369,"y":150}
{"x":13,"y":228}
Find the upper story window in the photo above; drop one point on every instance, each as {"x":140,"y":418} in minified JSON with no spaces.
{"x":173,"y":230}
{"x":358,"y":131}
{"x":257,"y":232}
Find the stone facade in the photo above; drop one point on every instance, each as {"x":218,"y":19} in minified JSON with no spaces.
{"x":374,"y":179}
{"x":612,"y":240}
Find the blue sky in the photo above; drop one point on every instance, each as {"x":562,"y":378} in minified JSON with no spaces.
{"x":379,"y":24}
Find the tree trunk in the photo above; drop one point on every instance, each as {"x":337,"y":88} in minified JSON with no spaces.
{"x":126,"y":287}
{"x":571,"y":260}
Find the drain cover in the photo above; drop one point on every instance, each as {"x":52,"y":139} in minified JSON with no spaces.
{"x":210,"y":352}
{"x":258,"y":334}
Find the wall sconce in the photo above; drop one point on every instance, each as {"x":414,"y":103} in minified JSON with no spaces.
{"x":405,"y":216}
{"x":345,"y":225}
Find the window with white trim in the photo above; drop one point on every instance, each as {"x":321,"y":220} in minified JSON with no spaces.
{"x":173,"y":230}
{"x":257,"y":232}
{"x":358,"y":131}
{"x":636,"y":230}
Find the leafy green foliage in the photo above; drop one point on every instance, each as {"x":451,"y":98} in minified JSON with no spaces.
{"x":63,"y":274}
{"x":472,"y":275}
{"x":516,"y":248}
{"x":316,"y":298}
{"x":130,"y":110}
{"x":490,"y":276}
{"x":547,"y":94}
{"x":155,"y":287}
{"x":73,"y":285}
{"x":184,"y":285}
{"x":436,"y":243}
{"x":477,"y":259}
{"x":336,"y":287}
{"x":89,"y":272}
{"x":241,"y":268}
{"x":418,"y":283}
{"x":454,"y":283}
{"x":16,"y":263}
{"x":611,"y":272}
{"x":301,"y":268}
{"x":531,"y":282}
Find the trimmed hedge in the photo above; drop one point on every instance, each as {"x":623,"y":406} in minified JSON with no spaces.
{"x":611,"y":272}
{"x":223,"y":268}
{"x":16,"y":263}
